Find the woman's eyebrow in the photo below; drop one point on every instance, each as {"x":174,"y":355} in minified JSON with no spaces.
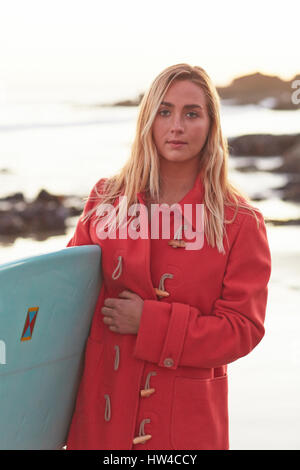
{"x":165,"y":103}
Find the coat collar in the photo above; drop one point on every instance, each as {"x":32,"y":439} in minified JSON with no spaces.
{"x":194,"y":195}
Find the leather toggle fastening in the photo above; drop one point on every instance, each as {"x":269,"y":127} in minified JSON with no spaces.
{"x":142,"y":437}
{"x":147,"y":390}
{"x":147,"y":393}
{"x":160,"y":291}
{"x":177,"y":242}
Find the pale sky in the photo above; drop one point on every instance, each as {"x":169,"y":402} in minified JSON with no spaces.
{"x":89,"y":42}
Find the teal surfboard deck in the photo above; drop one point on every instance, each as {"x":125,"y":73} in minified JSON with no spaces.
{"x":46,"y":307}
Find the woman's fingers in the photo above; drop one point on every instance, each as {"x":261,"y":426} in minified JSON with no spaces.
{"x":108,"y":312}
{"x":127,"y":294}
{"x":113,"y":328}
{"x":108,"y":315}
{"x":108,"y":320}
{"x":122,"y":314}
{"x":111,"y":303}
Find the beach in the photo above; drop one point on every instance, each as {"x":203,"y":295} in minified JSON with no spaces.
{"x":69,"y":148}
{"x":264,"y":387}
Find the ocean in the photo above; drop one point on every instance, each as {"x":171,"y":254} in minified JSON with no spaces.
{"x":66,"y":145}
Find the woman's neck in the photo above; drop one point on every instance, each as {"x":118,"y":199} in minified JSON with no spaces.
{"x":176,"y":181}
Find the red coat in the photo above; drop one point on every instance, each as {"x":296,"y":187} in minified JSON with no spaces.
{"x":213,"y":316}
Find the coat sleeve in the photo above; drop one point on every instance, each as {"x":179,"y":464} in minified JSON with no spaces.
{"x":82,"y":232}
{"x":176,"y":334}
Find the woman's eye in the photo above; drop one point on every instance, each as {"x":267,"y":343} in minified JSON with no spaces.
{"x":192,"y":114}
{"x":164,"y":112}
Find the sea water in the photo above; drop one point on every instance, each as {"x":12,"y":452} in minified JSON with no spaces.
{"x":66,"y":146}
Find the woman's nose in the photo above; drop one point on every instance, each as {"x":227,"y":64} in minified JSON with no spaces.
{"x":177,"y":124}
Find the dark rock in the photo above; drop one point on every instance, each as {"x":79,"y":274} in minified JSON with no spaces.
{"x":44,"y":196}
{"x":134,"y":102}
{"x":285,"y":104}
{"x":291,"y":190}
{"x":257,"y":88}
{"x":13,"y":197}
{"x":74,"y":211}
{"x":47,"y":213}
{"x":5,"y":171}
{"x":264,"y":90}
{"x":268,"y":145}
{"x":262,"y":145}
{"x":291,"y":160}
{"x":74,"y":204}
{"x":247,"y":168}
{"x":11,"y":224}
{"x":258,"y":198}
{"x":45,"y":216}
{"x":282,"y":222}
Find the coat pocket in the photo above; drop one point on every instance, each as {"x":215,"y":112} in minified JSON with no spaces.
{"x":199,"y":418}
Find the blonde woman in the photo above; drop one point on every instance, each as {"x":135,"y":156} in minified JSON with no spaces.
{"x":186,"y":264}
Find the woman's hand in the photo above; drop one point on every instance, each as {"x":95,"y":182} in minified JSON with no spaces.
{"x":123,"y":314}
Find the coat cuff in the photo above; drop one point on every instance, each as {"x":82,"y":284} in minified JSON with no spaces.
{"x":162,"y":333}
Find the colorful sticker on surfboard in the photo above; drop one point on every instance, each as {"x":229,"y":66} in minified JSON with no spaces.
{"x":29,"y":323}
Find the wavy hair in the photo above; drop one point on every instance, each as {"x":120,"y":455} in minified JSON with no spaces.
{"x":141,"y":171}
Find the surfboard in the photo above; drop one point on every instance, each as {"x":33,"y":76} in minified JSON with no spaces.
{"x":46,"y":307}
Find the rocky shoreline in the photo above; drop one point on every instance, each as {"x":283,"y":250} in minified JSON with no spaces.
{"x":50,"y":213}
{"x":268,"y":145}
{"x":266,"y":91}
{"x":46,"y":214}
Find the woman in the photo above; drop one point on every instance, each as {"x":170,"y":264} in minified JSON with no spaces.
{"x":174,"y":309}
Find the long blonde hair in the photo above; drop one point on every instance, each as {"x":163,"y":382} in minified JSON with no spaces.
{"x":141,"y":171}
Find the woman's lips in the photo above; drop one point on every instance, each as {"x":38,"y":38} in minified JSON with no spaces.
{"x":176,"y":144}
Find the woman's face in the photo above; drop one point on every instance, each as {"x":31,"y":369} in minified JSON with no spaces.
{"x":182,"y":123}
